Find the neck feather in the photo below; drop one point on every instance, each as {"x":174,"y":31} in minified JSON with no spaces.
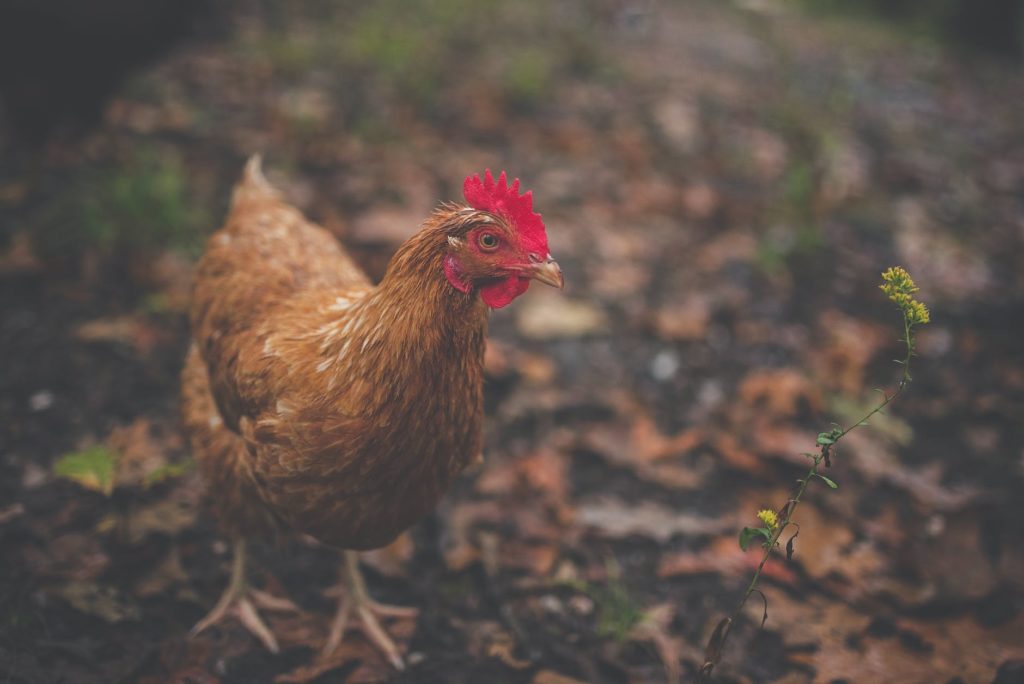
{"x":415,"y":318}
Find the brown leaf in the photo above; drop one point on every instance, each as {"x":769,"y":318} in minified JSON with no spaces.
{"x":849,"y":345}
{"x":874,"y":458}
{"x":104,"y":602}
{"x":685,"y":320}
{"x":780,"y":393}
{"x":9,"y":513}
{"x":735,"y":454}
{"x":19,"y":256}
{"x":654,"y":627}
{"x":726,"y":247}
{"x":353,"y":648}
{"x":537,"y":559}
{"x":139,"y":453}
{"x":724,"y":556}
{"x":74,"y":556}
{"x":827,"y":546}
{"x":546,"y":471}
{"x":461,"y":551}
{"x":393,"y":559}
{"x":504,"y":650}
{"x":615,"y":518}
{"x":546,"y":316}
{"x":552,"y":677}
{"x":127,"y":330}
{"x":167,"y":574}
{"x":169,"y":515}
{"x":700,"y":200}
{"x":651,"y":455}
{"x":918,"y":652}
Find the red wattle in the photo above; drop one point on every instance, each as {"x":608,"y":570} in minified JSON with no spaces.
{"x":496,"y":294}
{"x":501,"y":292}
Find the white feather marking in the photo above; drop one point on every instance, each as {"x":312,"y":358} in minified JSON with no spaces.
{"x":340,"y":304}
{"x":215,"y":421}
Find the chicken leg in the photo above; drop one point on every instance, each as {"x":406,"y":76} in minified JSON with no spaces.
{"x":240,"y":601}
{"x":356,"y":603}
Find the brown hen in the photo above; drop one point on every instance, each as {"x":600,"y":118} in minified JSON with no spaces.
{"x":319,"y":403}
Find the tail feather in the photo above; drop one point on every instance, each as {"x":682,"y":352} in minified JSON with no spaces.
{"x":253,"y":184}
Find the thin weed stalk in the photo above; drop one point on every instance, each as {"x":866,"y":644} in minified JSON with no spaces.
{"x":900,"y":288}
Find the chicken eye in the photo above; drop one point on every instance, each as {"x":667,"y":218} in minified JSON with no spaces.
{"x":488,"y":241}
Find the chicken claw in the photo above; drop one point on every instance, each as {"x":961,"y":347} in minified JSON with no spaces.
{"x":356,"y":603}
{"x":240,"y":601}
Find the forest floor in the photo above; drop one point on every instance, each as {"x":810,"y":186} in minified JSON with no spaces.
{"x":722,"y":187}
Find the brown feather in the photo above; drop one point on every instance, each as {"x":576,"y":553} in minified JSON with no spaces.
{"x":314,"y":398}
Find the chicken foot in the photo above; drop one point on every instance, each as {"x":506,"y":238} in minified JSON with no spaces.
{"x":240,"y":601}
{"x":356,"y":603}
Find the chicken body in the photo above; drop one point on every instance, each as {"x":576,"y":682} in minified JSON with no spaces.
{"x":319,"y":403}
{"x":316,"y":400}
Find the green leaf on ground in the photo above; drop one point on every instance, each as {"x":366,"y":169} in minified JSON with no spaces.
{"x":92,"y":468}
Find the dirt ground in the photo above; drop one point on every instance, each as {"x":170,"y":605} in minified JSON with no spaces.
{"x":722,"y":185}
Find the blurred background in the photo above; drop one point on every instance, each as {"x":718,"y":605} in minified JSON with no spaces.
{"x":722,"y":182}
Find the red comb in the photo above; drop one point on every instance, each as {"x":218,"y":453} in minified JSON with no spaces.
{"x":499,"y":198}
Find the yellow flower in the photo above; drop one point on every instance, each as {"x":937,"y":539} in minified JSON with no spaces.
{"x":898,"y":287}
{"x":769,"y":518}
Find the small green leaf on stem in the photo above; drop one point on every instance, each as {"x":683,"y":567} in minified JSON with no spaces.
{"x":823,"y":439}
{"x":831,"y":483}
{"x":747,"y":534}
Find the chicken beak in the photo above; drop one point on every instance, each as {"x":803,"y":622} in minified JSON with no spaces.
{"x":549,"y":273}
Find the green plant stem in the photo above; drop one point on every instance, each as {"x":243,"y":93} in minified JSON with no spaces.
{"x":790,"y":508}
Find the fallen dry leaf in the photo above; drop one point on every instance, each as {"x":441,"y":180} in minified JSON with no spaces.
{"x":461,"y":550}
{"x":826,"y":546}
{"x":139,"y":452}
{"x":654,"y":627}
{"x":912,"y":651}
{"x":724,"y":556}
{"x":614,"y":518}
{"x":871,"y":456}
{"x":552,"y":677}
{"x":840,"y":361}
{"x":103,"y":601}
{"x":73,"y":556}
{"x":393,"y":559}
{"x":545,"y":471}
{"x":354,"y":647}
{"x":11,"y":512}
{"x":167,"y":574}
{"x":684,"y":320}
{"x":545,"y":316}
{"x":128,"y":330}
{"x":780,"y":393}
{"x":168,"y":515}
